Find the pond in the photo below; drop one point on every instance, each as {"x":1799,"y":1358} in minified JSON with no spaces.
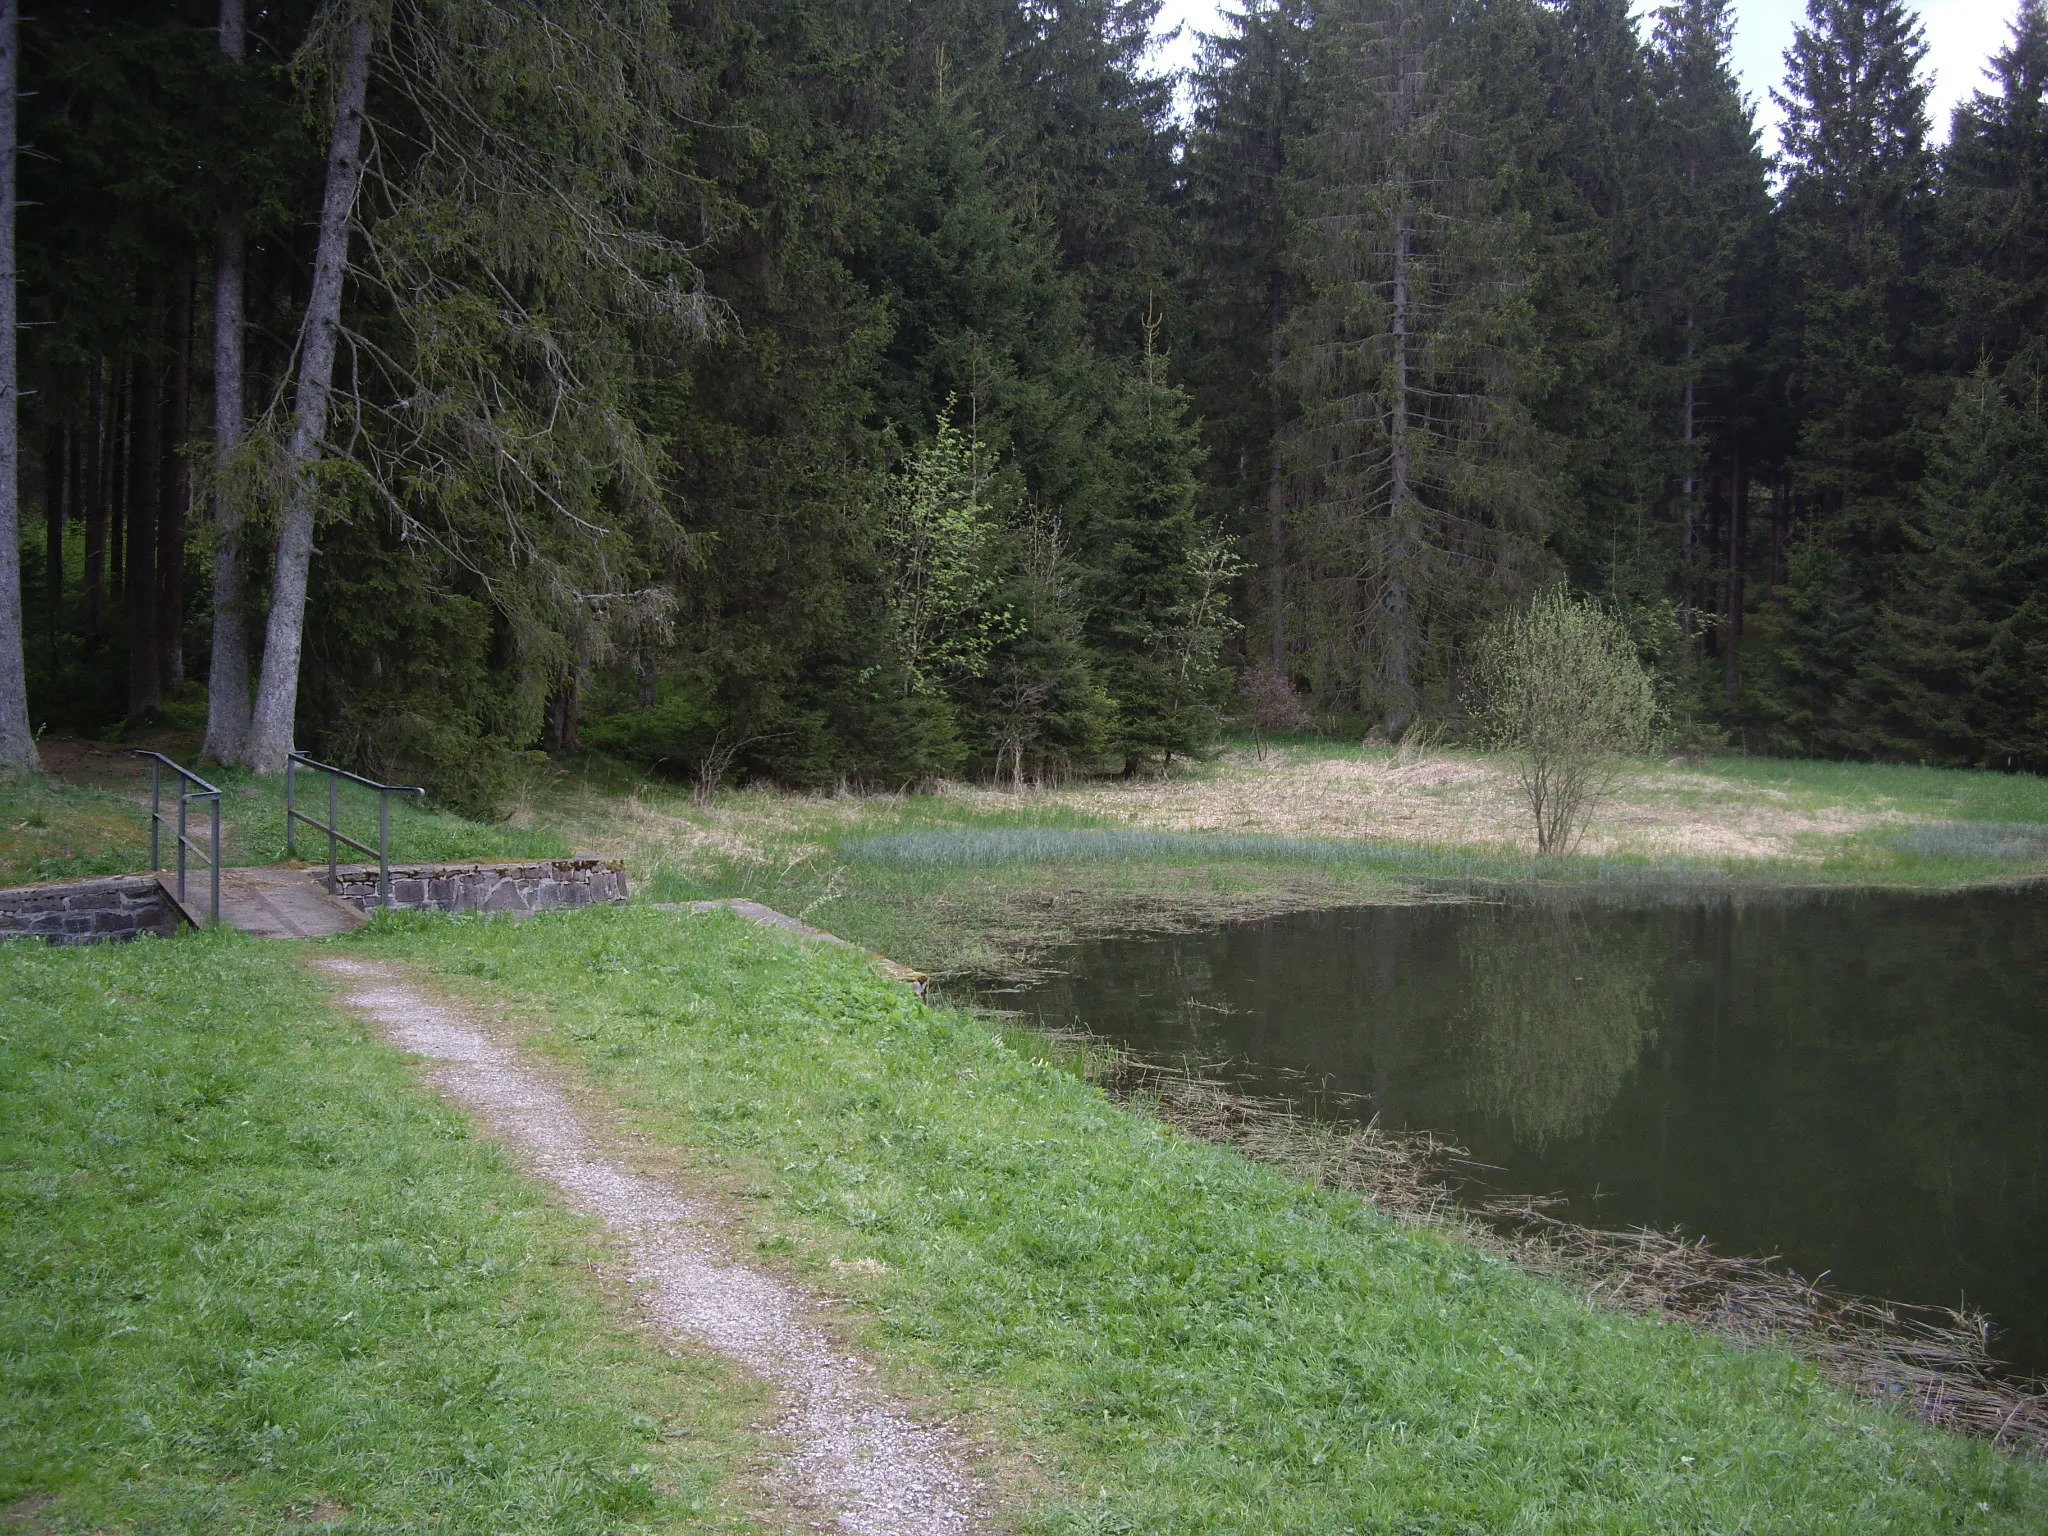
{"x":1858,"y":1085}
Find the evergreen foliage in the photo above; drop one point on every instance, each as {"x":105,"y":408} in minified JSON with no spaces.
{"x":1422,"y":475}
{"x":871,"y":391}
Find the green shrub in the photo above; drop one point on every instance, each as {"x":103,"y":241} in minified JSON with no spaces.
{"x":1566,"y":694}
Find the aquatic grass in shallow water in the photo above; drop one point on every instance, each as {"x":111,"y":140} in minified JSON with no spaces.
{"x":985,"y":847}
{"x":992,"y":847}
{"x":2006,"y":842}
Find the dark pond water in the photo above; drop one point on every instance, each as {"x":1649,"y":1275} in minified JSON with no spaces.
{"x":1859,"y":1085}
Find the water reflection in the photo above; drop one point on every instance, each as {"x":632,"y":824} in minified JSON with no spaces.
{"x":1557,"y":1009}
{"x":1858,"y":1085}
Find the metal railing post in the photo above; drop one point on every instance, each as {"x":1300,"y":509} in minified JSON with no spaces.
{"x":335,"y":836}
{"x":383,"y":847}
{"x":190,"y":787}
{"x":184,"y":807}
{"x":214,"y":860}
{"x":291,"y":806}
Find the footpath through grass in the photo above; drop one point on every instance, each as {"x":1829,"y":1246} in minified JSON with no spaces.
{"x":1184,"y":1340}
{"x":254,"y":1278}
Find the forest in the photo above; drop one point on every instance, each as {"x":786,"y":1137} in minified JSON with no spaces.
{"x":874,"y":391}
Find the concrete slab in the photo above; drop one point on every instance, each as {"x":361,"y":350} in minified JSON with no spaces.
{"x":755,"y":912}
{"x":281,"y":904}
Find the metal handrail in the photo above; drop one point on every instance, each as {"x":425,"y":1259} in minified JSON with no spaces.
{"x":157,"y":764}
{"x":332,"y":826}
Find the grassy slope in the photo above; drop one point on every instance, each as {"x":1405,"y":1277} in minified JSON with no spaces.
{"x":253,"y":1278}
{"x":51,"y":830}
{"x":1191,"y":1342}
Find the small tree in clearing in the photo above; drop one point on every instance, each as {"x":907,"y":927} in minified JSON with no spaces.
{"x":1566,"y":695}
{"x":943,"y":591}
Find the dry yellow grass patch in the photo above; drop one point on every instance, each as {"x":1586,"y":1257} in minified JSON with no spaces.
{"x":1455,"y":799}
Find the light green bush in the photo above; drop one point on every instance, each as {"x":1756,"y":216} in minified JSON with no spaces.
{"x":1566,"y":694}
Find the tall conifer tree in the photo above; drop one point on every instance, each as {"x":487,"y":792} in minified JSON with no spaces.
{"x":1249,"y":116}
{"x":1857,"y":220}
{"x":1708,"y":211}
{"x":1424,"y":486}
{"x":1994,"y":185}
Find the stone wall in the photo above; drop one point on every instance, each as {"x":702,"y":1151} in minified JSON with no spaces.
{"x":89,"y":911}
{"x":550,"y":886}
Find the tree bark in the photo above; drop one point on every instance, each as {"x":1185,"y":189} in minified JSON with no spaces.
{"x":17,"y":741}
{"x":1690,"y":506}
{"x":1276,"y":491}
{"x":56,"y":485}
{"x":176,"y":495}
{"x":138,"y":590}
{"x":1276,"y":305}
{"x":96,"y":433}
{"x":120,"y":428}
{"x":227,"y":680}
{"x":277,"y":692}
{"x":1399,"y":673}
{"x":1738,"y":532}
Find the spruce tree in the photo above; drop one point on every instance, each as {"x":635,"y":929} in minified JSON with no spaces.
{"x":1994,"y":185}
{"x":1856,"y":217}
{"x":1955,"y":673}
{"x":1248,"y":118}
{"x":1708,"y":211}
{"x":1095,"y":148}
{"x":1156,"y":576}
{"x":1424,"y":486}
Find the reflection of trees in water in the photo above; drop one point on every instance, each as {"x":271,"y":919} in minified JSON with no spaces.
{"x":1554,"y":1016}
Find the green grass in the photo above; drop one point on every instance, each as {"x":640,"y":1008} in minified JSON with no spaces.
{"x":255,"y":806}
{"x":1187,"y":1342}
{"x":1959,"y":794}
{"x":55,"y":831}
{"x":254,"y":1278}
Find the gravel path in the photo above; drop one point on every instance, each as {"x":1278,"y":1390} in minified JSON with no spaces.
{"x":856,"y":1453}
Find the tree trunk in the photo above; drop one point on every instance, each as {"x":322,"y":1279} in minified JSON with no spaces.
{"x":1781,"y":520}
{"x":277,"y":693}
{"x":176,"y":493}
{"x":120,"y":427}
{"x":1738,"y":519}
{"x":145,"y":452}
{"x":96,"y":433}
{"x":1276,"y":291}
{"x":56,"y":483}
{"x":1399,"y":671}
{"x":17,"y":741}
{"x":1276,"y":503}
{"x":227,"y":679}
